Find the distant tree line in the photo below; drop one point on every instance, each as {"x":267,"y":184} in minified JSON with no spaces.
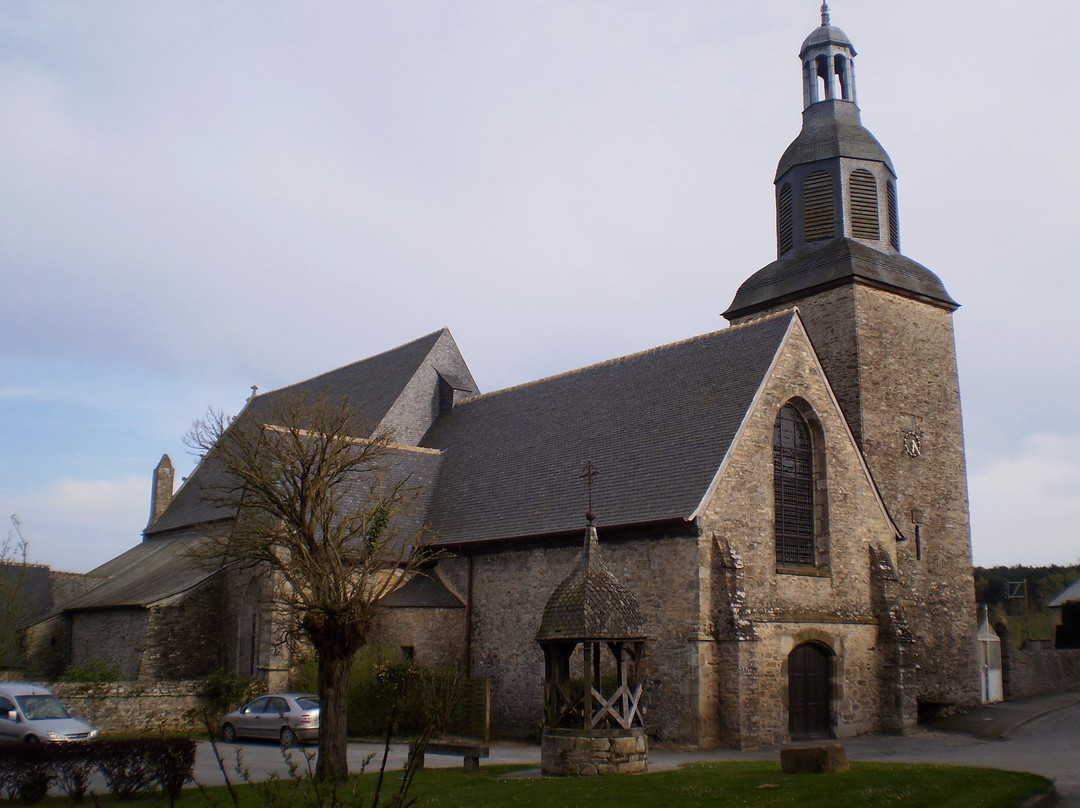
{"x":992,"y":585}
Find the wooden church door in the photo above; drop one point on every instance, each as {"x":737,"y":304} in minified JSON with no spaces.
{"x":809,"y":691}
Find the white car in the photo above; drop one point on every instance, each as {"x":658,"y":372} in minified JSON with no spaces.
{"x":31,"y":713}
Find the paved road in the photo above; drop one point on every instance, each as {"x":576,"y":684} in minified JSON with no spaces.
{"x":1041,"y":736}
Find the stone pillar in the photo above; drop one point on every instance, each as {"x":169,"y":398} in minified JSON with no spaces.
{"x":162,"y":492}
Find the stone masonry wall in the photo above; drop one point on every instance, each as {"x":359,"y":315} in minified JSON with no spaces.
{"x":135,"y":707}
{"x":47,"y":648}
{"x":178,"y":645}
{"x":760,"y":611}
{"x":891,"y":361}
{"x":510,"y":589}
{"x":116,"y":637}
{"x":1032,"y":672}
{"x":437,"y":636}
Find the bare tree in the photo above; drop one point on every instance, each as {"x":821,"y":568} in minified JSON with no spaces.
{"x":13,"y":609}
{"x":319,"y":510}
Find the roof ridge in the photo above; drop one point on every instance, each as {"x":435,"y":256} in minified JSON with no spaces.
{"x":636,"y":355}
{"x":434,"y":334}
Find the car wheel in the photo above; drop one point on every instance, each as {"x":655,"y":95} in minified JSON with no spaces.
{"x":228,"y":733}
{"x":288,"y":737}
{"x":32,"y":739}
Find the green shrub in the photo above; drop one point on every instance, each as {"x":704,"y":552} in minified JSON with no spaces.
{"x":93,"y":671}
{"x":222,"y":690}
{"x":388,"y":690}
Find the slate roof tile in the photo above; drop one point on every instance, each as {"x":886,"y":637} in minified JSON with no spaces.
{"x":147,"y":573}
{"x":656,"y":425}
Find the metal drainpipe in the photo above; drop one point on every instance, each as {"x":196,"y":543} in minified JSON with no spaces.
{"x":468,"y":621}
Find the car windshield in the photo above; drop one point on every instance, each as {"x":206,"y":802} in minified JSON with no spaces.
{"x":36,"y":708}
{"x":308,"y":703}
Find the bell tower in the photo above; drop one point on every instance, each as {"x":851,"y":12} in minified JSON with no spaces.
{"x":882,"y":327}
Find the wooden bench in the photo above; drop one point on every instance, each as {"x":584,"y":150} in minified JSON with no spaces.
{"x":471,"y":751}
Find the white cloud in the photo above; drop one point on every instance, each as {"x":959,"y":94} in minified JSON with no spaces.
{"x":1025,"y":506}
{"x":76,"y":525}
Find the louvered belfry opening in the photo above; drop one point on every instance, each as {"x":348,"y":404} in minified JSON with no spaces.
{"x":894,"y":216}
{"x":864,"y":205}
{"x":784,"y":235}
{"x":593,"y":638}
{"x":819,"y":206}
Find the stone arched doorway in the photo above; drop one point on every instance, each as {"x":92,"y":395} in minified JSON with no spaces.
{"x":810,"y":674}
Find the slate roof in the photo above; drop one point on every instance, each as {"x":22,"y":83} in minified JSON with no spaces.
{"x":832,"y":129}
{"x":425,"y":590}
{"x":657,"y":426}
{"x":505,"y":465}
{"x":591,"y":604}
{"x":372,"y":385}
{"x":419,"y":469}
{"x":149,"y":572}
{"x":824,"y":264}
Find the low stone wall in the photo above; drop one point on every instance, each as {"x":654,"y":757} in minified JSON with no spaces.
{"x":135,"y":707}
{"x":1038,"y":672}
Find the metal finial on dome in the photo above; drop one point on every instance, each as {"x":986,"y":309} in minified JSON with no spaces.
{"x":587,"y":474}
{"x":825,"y":19}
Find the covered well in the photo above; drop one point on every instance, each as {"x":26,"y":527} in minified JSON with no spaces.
{"x":592,"y":636}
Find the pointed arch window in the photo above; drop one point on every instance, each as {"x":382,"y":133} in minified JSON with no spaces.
{"x":793,"y":487}
{"x":864,"y":205}
{"x":819,"y":206}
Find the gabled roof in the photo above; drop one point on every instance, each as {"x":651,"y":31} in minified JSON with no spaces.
{"x":374,"y":386}
{"x":425,"y":590}
{"x":656,"y":425}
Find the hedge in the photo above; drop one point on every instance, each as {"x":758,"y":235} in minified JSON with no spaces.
{"x":29,"y":770}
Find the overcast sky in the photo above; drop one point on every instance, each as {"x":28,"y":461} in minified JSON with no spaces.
{"x":200,"y":196}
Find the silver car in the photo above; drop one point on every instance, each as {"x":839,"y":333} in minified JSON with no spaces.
{"x":32,"y":713}
{"x":290,"y":718}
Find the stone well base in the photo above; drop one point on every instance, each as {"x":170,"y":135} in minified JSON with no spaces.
{"x":567,"y":752}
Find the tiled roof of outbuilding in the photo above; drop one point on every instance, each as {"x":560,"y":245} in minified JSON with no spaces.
{"x":656,"y":425}
{"x":1071,"y":594}
{"x":147,"y":573}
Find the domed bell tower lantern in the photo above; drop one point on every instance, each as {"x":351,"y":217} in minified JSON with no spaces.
{"x":882,"y":326}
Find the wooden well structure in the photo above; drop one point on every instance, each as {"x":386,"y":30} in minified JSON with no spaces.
{"x":593,"y":638}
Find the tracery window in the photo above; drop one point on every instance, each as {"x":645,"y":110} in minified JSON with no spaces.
{"x":793,"y":486}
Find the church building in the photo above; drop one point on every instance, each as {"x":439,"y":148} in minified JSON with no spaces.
{"x":786,"y":498}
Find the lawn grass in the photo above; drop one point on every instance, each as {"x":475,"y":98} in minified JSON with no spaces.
{"x":757,"y":784}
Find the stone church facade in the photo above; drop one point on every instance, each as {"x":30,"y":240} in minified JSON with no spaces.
{"x":786,"y":498}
